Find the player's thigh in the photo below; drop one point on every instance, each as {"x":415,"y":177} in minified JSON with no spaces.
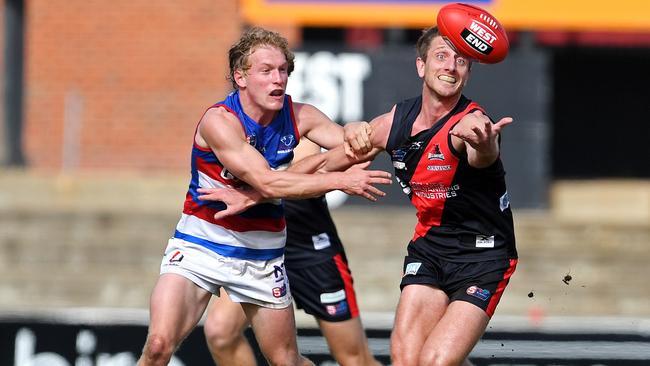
{"x":275,"y":329}
{"x":419,"y":310}
{"x":345,"y":337}
{"x":176,"y":306}
{"x":225,"y":318}
{"x":456,"y":333}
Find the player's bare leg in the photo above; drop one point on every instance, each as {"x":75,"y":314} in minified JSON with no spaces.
{"x":275,"y":332}
{"x":455,"y":335}
{"x":176,"y":307}
{"x":224,"y":329}
{"x":419,"y":309}
{"x":348,"y":343}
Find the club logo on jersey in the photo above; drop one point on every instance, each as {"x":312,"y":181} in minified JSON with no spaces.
{"x":337,"y":309}
{"x":279,"y":291}
{"x":436,"y":154}
{"x":176,"y":257}
{"x":412,"y":268}
{"x":287,"y":140}
{"x":478,"y":292}
{"x":484,"y":241}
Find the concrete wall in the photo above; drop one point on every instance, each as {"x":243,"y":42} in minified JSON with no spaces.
{"x":79,"y":241}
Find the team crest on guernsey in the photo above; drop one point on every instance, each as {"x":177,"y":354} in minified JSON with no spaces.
{"x":436,"y":154}
{"x":287,"y":140}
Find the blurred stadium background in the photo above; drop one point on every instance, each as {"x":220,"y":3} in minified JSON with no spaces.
{"x":101,"y":98}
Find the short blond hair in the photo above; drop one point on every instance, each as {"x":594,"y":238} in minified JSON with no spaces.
{"x":253,"y":38}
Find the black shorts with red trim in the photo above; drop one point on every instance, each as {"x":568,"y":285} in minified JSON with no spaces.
{"x":479,"y":283}
{"x":324,"y":289}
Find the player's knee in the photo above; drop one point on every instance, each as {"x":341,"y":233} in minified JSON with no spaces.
{"x":437,"y":357}
{"x":158,"y":349}
{"x":355,"y":356}
{"x":400,"y":354}
{"x":221,"y":337}
{"x":285,"y":359}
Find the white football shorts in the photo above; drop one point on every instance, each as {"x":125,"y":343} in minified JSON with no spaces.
{"x":259,"y":282}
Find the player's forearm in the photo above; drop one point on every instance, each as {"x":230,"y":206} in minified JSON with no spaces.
{"x":309,"y":164}
{"x":483,"y":158}
{"x":337,"y":160}
{"x":288,"y":184}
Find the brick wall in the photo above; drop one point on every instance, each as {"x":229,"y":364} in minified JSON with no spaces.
{"x":120,"y":85}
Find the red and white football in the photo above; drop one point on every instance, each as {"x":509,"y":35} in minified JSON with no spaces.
{"x":474,"y":32}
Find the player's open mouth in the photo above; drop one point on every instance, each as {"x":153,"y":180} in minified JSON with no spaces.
{"x":447,"y":78}
{"x":277,"y":93}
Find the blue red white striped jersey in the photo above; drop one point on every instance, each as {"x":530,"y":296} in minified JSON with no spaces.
{"x":260,"y":232}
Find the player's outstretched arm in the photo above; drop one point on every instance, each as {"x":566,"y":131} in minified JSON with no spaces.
{"x":222,"y":132}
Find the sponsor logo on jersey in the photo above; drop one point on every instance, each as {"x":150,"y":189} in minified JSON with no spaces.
{"x":416,"y":145}
{"x":434,"y":190}
{"x":399,"y":165}
{"x":436,"y":154}
{"x":504,"y":201}
{"x":398,"y":155}
{"x":484,"y":241}
{"x":478,"y":292}
{"x":412,"y":268}
{"x":321,"y":241}
{"x":438,"y":168}
{"x":332,"y":297}
{"x":337,"y":309}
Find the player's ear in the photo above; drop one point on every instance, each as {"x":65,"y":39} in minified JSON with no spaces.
{"x":240,"y":78}
{"x":419,"y":65}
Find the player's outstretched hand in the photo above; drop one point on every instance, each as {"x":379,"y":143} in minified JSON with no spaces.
{"x":356,"y":137}
{"x":478,"y":131}
{"x":236,"y":200}
{"x":361,"y":182}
